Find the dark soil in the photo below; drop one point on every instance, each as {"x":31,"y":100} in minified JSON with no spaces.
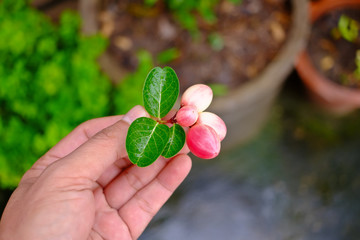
{"x":252,"y":33}
{"x":333,"y":56}
{"x":54,"y":8}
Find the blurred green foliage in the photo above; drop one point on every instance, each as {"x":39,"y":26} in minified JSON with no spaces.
{"x":129,"y":90}
{"x":168,"y":55}
{"x":185,"y":11}
{"x":216,"y":41}
{"x":49,"y":83}
{"x":348,"y":28}
{"x":219,"y":89}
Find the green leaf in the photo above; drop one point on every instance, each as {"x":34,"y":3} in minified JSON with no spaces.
{"x":176,"y":141}
{"x":161,"y":90}
{"x":348,"y":28}
{"x":216,"y":41}
{"x":168,"y":55}
{"x":236,"y":1}
{"x":219,"y":89}
{"x":357,"y":62}
{"x":128,"y":92}
{"x":150,"y":3}
{"x":146,"y":140}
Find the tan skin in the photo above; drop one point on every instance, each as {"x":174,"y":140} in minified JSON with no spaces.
{"x":86,"y":188}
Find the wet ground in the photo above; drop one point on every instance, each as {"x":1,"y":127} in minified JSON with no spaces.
{"x":298,"y":179}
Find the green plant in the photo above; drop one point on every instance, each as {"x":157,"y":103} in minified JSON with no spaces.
{"x":219,"y":89}
{"x":348,"y":29}
{"x":168,"y":55}
{"x":149,"y":138}
{"x":357,"y":62}
{"x":127,"y":91}
{"x":216,"y":41}
{"x":49,"y":83}
{"x":185,"y":11}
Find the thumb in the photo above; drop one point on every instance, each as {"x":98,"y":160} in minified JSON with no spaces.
{"x":93,"y":157}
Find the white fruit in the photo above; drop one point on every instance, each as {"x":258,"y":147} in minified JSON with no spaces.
{"x":198,"y":95}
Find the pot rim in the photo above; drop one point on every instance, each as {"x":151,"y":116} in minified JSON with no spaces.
{"x":319,"y":8}
{"x":324,"y":86}
{"x":274,"y":74}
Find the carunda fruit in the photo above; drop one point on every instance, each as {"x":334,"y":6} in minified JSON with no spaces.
{"x":198,"y":95}
{"x":165,"y":131}
{"x":203,"y":141}
{"x":187,"y":116}
{"x":214,"y":121}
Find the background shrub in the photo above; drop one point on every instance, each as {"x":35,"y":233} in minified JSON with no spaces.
{"x":49,"y":83}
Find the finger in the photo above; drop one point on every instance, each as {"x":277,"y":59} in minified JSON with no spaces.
{"x":74,"y":139}
{"x":127,"y":180}
{"x":113,"y":171}
{"x":140,"y":209}
{"x":107,"y":224}
{"x":81,"y":134}
{"x":93,"y":157}
{"x":130,"y":181}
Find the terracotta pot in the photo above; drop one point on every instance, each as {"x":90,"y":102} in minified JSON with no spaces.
{"x":332,"y":97}
{"x":246,"y":108}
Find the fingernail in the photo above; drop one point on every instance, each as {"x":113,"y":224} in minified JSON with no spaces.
{"x":136,"y":112}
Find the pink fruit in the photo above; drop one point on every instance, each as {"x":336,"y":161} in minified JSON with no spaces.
{"x":215,"y":122}
{"x":198,"y":95}
{"x":203,"y":141}
{"x":187,"y":116}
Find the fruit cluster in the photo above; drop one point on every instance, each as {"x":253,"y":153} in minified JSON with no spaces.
{"x":165,"y":132}
{"x":206,"y":129}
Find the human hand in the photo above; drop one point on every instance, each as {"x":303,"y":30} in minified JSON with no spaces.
{"x":86,"y":188}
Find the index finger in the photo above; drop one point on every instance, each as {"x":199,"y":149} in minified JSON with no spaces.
{"x":69,"y":143}
{"x":78,"y":136}
{"x":74,"y":139}
{"x":94,"y":156}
